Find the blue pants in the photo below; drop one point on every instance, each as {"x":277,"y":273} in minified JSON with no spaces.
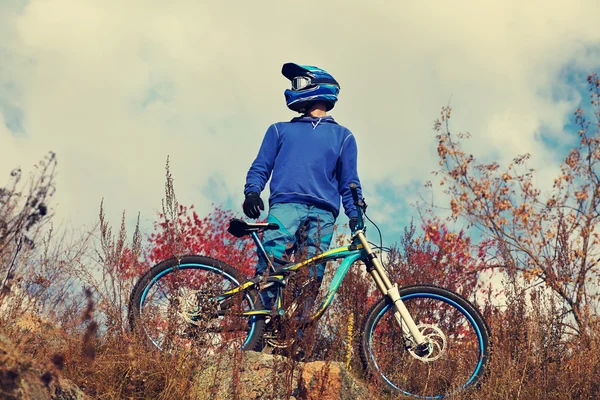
{"x":304,"y":230}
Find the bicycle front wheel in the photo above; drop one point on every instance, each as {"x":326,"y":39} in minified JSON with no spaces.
{"x":178,"y":305}
{"x":457,"y":336}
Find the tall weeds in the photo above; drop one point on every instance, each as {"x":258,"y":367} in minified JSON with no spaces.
{"x":64,"y":303}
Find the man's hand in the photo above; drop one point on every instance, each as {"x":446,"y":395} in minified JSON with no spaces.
{"x":252,"y":205}
{"x":352,"y":224}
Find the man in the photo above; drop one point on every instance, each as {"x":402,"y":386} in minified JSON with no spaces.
{"x":311,"y":161}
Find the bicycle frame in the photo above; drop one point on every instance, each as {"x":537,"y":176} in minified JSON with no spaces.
{"x":349,"y":255}
{"x":358,"y":250}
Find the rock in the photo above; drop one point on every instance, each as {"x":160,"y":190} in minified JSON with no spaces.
{"x":251,"y":375}
{"x":329,"y":381}
{"x":21,"y":379}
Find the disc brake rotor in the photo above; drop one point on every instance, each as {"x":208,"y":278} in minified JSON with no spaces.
{"x":436,"y":341}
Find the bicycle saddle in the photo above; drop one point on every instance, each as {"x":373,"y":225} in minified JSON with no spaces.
{"x":240,"y":228}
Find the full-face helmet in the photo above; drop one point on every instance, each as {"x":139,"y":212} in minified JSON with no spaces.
{"x":309,"y":85}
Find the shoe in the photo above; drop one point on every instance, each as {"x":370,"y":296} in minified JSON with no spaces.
{"x":300,"y":355}
{"x":269,"y":325}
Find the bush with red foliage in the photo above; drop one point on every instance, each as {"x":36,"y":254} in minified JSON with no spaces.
{"x":207,"y":236}
{"x":440,"y":257}
{"x":190,"y":234}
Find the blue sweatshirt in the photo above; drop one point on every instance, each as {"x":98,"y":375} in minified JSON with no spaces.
{"x":313,"y":161}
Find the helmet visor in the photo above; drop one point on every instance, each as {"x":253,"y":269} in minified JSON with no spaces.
{"x":301,"y":83}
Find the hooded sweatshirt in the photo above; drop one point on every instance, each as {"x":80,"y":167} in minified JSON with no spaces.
{"x":312,"y":161}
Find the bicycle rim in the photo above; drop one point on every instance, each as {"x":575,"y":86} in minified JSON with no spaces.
{"x":458,"y":346}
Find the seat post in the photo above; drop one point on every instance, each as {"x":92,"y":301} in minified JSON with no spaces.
{"x":261,"y":250}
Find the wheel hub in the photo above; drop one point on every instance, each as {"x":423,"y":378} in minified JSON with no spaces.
{"x":194,"y":305}
{"x":434,"y":346}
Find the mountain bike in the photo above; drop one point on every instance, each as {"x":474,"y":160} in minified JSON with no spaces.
{"x":421,"y":340}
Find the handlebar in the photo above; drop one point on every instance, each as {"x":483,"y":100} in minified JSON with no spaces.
{"x":360,"y":206}
{"x":354,"y":193}
{"x":359,"y":203}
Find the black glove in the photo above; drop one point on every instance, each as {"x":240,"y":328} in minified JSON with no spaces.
{"x":252,"y":205}
{"x":353,"y":222}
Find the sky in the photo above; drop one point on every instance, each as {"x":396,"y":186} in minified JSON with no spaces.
{"x":114,"y":87}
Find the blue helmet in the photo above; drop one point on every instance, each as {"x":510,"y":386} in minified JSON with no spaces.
{"x":309,"y":85}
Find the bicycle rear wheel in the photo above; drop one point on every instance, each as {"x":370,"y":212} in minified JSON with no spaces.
{"x":176,"y":306}
{"x":459,"y":344}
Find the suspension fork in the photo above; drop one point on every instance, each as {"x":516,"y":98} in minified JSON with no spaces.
{"x":384,"y":284}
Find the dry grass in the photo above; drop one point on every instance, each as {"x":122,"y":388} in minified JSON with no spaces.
{"x":532,"y":359}
{"x":66,"y":309}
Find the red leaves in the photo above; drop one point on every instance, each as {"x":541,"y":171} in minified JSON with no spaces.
{"x":207,"y":236}
{"x":192,"y":235}
{"x":130,"y":266}
{"x":440,"y":257}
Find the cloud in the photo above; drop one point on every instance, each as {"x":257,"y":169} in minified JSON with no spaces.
{"x":114,"y":87}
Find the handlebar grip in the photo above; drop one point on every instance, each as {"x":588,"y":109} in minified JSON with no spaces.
{"x":354,"y":193}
